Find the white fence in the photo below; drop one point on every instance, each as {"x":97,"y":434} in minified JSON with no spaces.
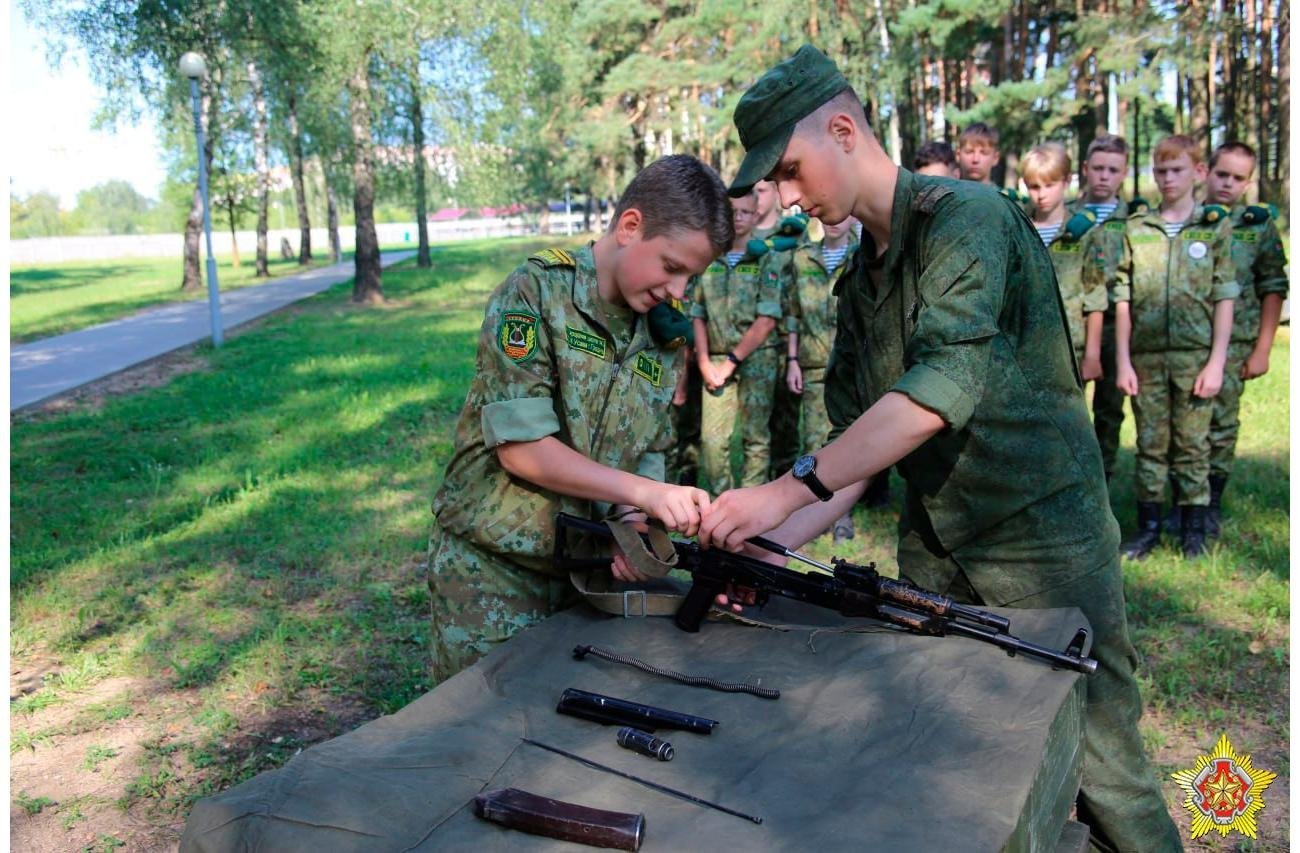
{"x":44,"y":250}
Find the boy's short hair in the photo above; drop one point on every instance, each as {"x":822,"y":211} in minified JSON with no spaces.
{"x":935,"y":151}
{"x":680,"y":192}
{"x":1234,"y":147}
{"x":978,"y":132}
{"x":1048,"y":162}
{"x":1175,"y":146}
{"x":1107,"y":143}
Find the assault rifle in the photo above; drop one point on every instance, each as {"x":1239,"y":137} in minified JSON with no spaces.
{"x":848,"y":588}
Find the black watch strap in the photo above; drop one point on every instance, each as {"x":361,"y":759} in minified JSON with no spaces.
{"x":731,"y":357}
{"x":809,"y":478}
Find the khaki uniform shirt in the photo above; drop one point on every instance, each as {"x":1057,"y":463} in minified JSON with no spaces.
{"x":963,"y":316}
{"x":729,"y":300}
{"x":551,"y":362}
{"x":1081,"y":295}
{"x":1260,"y":262}
{"x":810,"y":304}
{"x":1173,"y":284}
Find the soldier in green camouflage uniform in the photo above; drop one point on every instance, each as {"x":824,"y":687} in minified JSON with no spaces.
{"x":783,"y":426}
{"x":580,"y":385}
{"x":1172,"y":289}
{"x":970,"y":386}
{"x":684,"y":457}
{"x":728,"y":301}
{"x":1260,"y":264}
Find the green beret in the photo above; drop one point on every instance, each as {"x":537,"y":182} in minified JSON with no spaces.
{"x":768,"y":111}
{"x":1212,"y":213}
{"x":1078,"y":224}
{"x":1257,"y":213}
{"x":669,"y":327}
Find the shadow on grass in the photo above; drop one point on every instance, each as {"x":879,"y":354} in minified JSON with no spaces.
{"x":254,"y":535}
{"x":48,"y":279}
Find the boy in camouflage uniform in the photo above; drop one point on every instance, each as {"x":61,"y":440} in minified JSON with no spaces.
{"x":1071,"y":243}
{"x":783,"y":425}
{"x":1104,"y":166}
{"x":568,"y":410}
{"x":970,"y":386}
{"x":1173,"y":293}
{"x":736,"y":308}
{"x":977,"y":153}
{"x":1260,"y":263}
{"x":684,"y":457}
{"x":810,"y":309}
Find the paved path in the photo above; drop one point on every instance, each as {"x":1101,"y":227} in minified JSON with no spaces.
{"x":41,"y":369}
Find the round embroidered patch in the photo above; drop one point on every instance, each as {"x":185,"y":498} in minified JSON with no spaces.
{"x":1197,"y":250}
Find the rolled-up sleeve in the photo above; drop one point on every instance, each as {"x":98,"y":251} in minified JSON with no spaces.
{"x":949,"y":354}
{"x":516,"y":378}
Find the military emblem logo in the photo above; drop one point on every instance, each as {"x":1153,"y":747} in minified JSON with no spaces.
{"x":1224,"y":791}
{"x":517,"y":335}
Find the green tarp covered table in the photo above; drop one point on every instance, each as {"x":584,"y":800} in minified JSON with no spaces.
{"x":880,"y":740}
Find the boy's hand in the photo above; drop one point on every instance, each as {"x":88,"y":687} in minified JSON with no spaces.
{"x":1126,"y":379}
{"x":742,"y":513}
{"x":678,"y":507}
{"x":679,"y":395}
{"x":1208,"y":381}
{"x":723,"y":372}
{"x":1256,"y":365}
{"x":794,"y":378}
{"x":1090,"y":368}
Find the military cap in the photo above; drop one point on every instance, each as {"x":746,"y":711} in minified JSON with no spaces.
{"x":767,"y":113}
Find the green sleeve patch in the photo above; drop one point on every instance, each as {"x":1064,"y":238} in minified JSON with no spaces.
{"x":648,"y":367}
{"x":517,"y":335}
{"x":585,"y":341}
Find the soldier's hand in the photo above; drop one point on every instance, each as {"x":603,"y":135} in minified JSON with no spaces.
{"x":741,"y":513}
{"x":1256,"y":365}
{"x":680,"y":508}
{"x":794,"y":378}
{"x":1208,"y":381}
{"x":679,"y":395}
{"x":623,"y":570}
{"x":1090,"y":368}
{"x":1126,"y":379}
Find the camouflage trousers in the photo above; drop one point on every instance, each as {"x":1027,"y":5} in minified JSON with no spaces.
{"x":1225,"y":423}
{"x":816,"y":425}
{"x":784,"y":423}
{"x":480,"y":600}
{"x":745,"y":403}
{"x":1119,"y":796}
{"x":1173,"y":428}
{"x":684,"y":457}
{"x":1107,"y":400}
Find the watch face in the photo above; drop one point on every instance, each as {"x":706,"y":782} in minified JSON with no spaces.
{"x":804,"y":465}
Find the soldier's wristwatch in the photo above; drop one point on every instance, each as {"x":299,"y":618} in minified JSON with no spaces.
{"x":805,"y":471}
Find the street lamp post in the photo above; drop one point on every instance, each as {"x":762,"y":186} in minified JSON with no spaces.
{"x":193,"y":67}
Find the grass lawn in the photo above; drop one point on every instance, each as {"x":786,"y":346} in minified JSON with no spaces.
{"x":51,"y":299}
{"x":212,"y":574}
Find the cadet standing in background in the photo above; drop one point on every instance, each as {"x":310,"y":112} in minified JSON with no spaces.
{"x":568,"y":411}
{"x":783,"y":426}
{"x":736,"y":308}
{"x":1071,"y":244}
{"x":684,"y":457}
{"x":969,"y":386}
{"x":977,"y":153}
{"x":936,"y":159}
{"x":1104,"y":166}
{"x":1260,"y":263}
{"x":810,"y":309}
{"x":1173,"y":293}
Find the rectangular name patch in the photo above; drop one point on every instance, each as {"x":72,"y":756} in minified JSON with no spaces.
{"x":1245,"y":236}
{"x":1138,"y":239}
{"x":648,"y":368}
{"x":584,"y":341}
{"x":1191,"y":234}
{"x":1062,"y":246}
{"x":747,"y":269}
{"x":1113,"y":225}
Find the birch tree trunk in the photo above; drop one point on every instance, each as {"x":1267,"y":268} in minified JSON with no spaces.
{"x":299,"y":185}
{"x":261,"y":166}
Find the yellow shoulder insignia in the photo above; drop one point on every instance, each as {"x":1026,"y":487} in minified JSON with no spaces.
{"x":548,"y":258}
{"x":929,"y":197}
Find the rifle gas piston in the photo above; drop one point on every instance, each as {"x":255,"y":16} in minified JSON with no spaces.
{"x":655,"y":785}
{"x":611,"y":711}
{"x":851,"y":589}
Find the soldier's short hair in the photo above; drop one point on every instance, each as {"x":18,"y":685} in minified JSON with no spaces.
{"x":1175,"y":146}
{"x":978,"y":133}
{"x":1047,"y":162}
{"x":679,"y":192}
{"x":1107,"y":143}
{"x":935,"y":151}
{"x":1235,"y":147}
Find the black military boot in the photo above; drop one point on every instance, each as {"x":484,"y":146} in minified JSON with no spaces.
{"x":1147,"y":537}
{"x":1173,"y":520}
{"x":1193,"y":536}
{"x":1218,"y":482}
